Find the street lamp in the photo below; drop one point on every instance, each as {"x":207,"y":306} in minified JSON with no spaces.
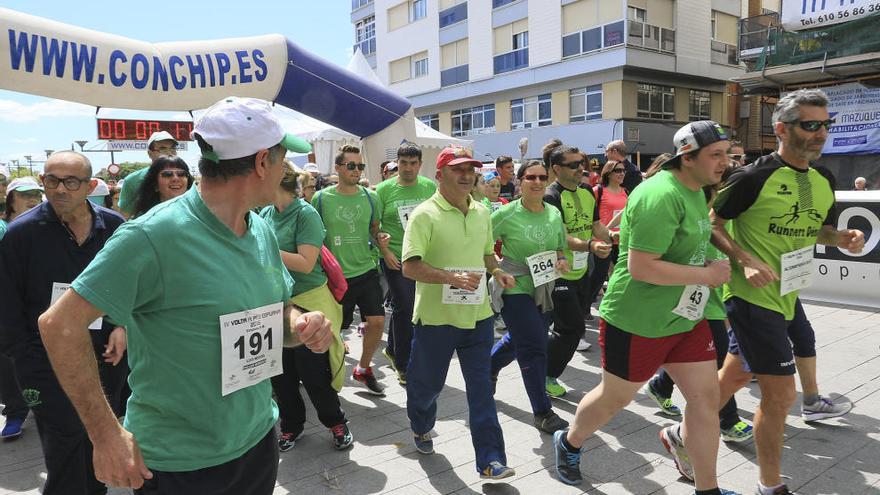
{"x":48,"y":152}
{"x":17,"y":169}
{"x":30,"y":163}
{"x":82,"y":144}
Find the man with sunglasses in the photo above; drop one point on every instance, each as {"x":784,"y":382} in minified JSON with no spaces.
{"x":351,"y":216}
{"x":781,"y":207}
{"x":580,"y":214}
{"x":45,"y":249}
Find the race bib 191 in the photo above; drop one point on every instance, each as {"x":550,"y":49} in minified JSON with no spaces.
{"x":251,"y":342}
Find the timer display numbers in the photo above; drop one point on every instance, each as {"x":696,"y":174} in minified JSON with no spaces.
{"x":140,"y":130}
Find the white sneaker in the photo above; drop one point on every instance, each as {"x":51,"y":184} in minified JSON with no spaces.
{"x":824,"y":409}
{"x":583,"y":345}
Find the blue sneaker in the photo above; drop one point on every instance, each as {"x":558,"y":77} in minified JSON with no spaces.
{"x":568,"y":464}
{"x":739,"y":432}
{"x":12,"y":428}
{"x":496,"y":471}
{"x":424,"y":443}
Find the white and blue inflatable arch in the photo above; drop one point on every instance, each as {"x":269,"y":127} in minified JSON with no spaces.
{"x":43,"y":57}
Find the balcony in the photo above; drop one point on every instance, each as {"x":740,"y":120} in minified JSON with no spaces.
{"x":650,"y":37}
{"x":509,"y":61}
{"x":593,"y":39}
{"x":367,"y":46}
{"x":723,"y":53}
{"x":454,"y":75}
{"x":454,"y":14}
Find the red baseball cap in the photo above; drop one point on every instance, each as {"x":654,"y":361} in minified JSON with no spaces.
{"x":453,"y":155}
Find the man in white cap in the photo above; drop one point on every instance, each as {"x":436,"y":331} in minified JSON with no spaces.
{"x":161,"y":143}
{"x":201,"y":288}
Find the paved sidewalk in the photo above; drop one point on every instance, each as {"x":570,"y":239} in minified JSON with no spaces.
{"x":839,"y":456}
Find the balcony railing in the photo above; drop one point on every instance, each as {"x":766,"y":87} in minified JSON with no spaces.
{"x":754,"y":33}
{"x":723,"y":53}
{"x":509,"y":61}
{"x":643,"y":35}
{"x":367,"y":46}
{"x":454,"y":75}
{"x":454,"y":14}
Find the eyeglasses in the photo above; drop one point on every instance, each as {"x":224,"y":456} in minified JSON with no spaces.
{"x":165,"y":149}
{"x":619,"y":170}
{"x":735,"y":157}
{"x":167,"y":174}
{"x":353,"y":165}
{"x":814,"y":125}
{"x":538,"y":177}
{"x":573,"y":165}
{"x":70,"y":183}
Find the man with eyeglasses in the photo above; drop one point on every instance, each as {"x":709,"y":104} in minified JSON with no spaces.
{"x":351,"y":216}
{"x":44,"y":250}
{"x":616,"y":150}
{"x":160,"y":143}
{"x":781,"y":207}
{"x":737,"y":154}
{"x":580,"y":214}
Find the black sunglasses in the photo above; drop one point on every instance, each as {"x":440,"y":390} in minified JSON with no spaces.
{"x":573,"y":165}
{"x":353,"y":165}
{"x":619,"y":170}
{"x":814,"y":125}
{"x":167,"y":174}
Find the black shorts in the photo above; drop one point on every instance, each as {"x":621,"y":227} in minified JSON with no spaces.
{"x":765,"y":341}
{"x":364,"y":292}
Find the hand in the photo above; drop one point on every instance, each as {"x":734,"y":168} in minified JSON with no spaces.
{"x":615,"y":235}
{"x":758,"y":273}
{"x":717,"y":273}
{"x":506,"y":280}
{"x":117,"y":459}
{"x":314,"y":331}
{"x":116,"y":345}
{"x":465,"y":280}
{"x":601,"y":249}
{"x":391,"y":260}
{"x":852,"y":240}
{"x":383,"y":238}
{"x":562,"y":267}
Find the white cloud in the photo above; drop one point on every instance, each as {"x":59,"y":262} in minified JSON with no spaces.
{"x":16,"y":112}
{"x":24,"y":141}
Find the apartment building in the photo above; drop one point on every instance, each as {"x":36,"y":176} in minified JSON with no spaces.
{"x":585,"y":71}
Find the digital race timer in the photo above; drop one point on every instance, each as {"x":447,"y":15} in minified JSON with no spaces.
{"x":140,"y":130}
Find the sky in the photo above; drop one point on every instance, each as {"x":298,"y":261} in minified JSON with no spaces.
{"x":30,"y":124}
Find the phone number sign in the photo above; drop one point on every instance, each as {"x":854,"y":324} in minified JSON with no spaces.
{"x":798,"y":15}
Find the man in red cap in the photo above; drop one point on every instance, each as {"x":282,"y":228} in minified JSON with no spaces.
{"x":447,"y":250}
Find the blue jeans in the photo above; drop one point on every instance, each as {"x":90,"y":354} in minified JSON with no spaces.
{"x":525,"y":340}
{"x":403,"y":298}
{"x":432,"y":348}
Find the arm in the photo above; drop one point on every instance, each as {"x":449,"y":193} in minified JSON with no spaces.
{"x":309,"y":329}
{"x":390,"y":258}
{"x":64,"y":329}
{"x":756,"y":271}
{"x":649,"y":268}
{"x":303,"y":261}
{"x":505,"y":279}
{"x":850,"y":239}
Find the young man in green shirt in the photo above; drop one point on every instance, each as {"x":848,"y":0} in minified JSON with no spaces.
{"x":781,"y":207}
{"x":351,"y":215}
{"x":200,"y":287}
{"x":448,"y":250}
{"x":398,"y":198}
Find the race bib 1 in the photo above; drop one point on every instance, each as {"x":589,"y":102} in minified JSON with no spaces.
{"x":797,"y":270}
{"x":542,"y":267}
{"x":58,"y":289}
{"x":454,"y":295}
{"x":579,"y":260}
{"x":251,"y":342}
{"x":404,"y":213}
{"x":692,"y":303}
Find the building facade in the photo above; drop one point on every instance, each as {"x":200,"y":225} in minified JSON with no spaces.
{"x":585,"y":71}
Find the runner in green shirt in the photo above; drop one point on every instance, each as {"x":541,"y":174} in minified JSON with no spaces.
{"x":398,"y":197}
{"x":652,"y":313}
{"x":351,"y":215}
{"x":202,"y":340}
{"x":533,"y":239}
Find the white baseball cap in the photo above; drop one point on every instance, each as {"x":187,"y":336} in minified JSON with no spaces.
{"x":237,"y":127}
{"x":101,"y":188}
{"x":311,"y":167}
{"x":23,"y":184}
{"x":693,"y":136}
{"x":160,"y":136}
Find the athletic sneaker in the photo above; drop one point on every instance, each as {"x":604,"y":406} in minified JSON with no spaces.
{"x":664,"y":403}
{"x":583,"y":345}
{"x":675,"y":446}
{"x":424,"y":443}
{"x":366,"y":377}
{"x":824,"y":409}
{"x":553,"y":388}
{"x":288,"y":439}
{"x":12,"y":429}
{"x":782,"y":490}
{"x":726,"y":492}
{"x":739,"y":432}
{"x":342,"y":438}
{"x":401,"y":378}
{"x":550,"y":422}
{"x":496,"y":471}
{"x":387,"y":353}
{"x":568,"y":464}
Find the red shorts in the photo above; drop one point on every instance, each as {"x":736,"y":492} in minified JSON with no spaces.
{"x":635,"y":358}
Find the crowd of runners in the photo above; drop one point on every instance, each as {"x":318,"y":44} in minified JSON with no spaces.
{"x":159,"y":330}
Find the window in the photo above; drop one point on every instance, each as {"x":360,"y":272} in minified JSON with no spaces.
{"x":500,"y":3}
{"x":511,"y":46}
{"x":432,"y":121}
{"x":636,"y":14}
{"x":365,"y":35}
{"x":475,"y":120}
{"x":655,"y":102}
{"x":420,"y":67}
{"x":592,"y":39}
{"x":585,"y":104}
{"x":454,"y":63}
{"x":418,"y":10}
{"x":456,"y":13}
{"x":699,"y":105}
{"x":713,"y":27}
{"x":521,"y":40}
{"x":356,"y":4}
{"x":531,"y":112}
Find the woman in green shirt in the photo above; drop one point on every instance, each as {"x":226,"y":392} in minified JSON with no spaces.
{"x":300,"y":234}
{"x":533,"y":238}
